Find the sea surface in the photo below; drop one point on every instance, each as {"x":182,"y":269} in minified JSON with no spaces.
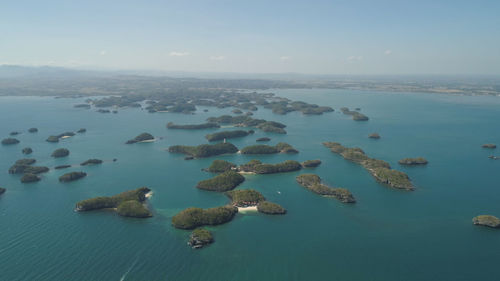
{"x":388,"y":234}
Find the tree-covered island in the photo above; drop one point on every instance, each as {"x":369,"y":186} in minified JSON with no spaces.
{"x":223,"y":182}
{"x":379,"y":169}
{"x":128,"y":204}
{"x":313,"y":183}
{"x":204,"y":150}
{"x":144,"y":137}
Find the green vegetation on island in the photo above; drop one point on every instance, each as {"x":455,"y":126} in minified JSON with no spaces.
{"x":267,"y":149}
{"x":313,"y":183}
{"x":256,"y":166}
{"x":52,"y":139}
{"x":204,"y":150}
{"x":263,"y":139}
{"x":191,"y":218}
{"x":311,"y":163}
{"x":133,"y":208}
{"x":15,"y":133}
{"x":72,"y":176}
{"x":245,"y":197}
{"x":379,"y":169}
{"x":171,"y":125}
{"x":413,"y":161}
{"x":227,"y":135}
{"x":199,"y":238}
{"x":27,"y":150}
{"x":356,"y":116}
{"x":91,"y":162}
{"x":10,"y":141}
{"x":121,"y":201}
{"x":32,"y":130}
{"x":141,"y":138}
{"x":220,"y":166}
{"x":28,"y":178}
{"x":223,"y":182}
{"x":487,"y":220}
{"x":25,"y":166}
{"x":270,"y":208}
{"x":60,"y":152}
{"x":374,"y":136}
{"x":62,"y":167}
{"x":246,"y":121}
{"x":82,"y":130}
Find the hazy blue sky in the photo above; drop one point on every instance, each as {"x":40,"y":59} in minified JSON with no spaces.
{"x":330,"y":37}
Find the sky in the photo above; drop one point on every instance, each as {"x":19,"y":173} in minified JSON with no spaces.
{"x":253,"y":36}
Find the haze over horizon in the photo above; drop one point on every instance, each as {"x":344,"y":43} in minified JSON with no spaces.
{"x":323,"y":37}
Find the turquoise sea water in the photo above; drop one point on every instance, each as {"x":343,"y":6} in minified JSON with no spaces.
{"x":387,"y":235}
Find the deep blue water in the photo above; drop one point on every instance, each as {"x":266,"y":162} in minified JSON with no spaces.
{"x":387,"y":235}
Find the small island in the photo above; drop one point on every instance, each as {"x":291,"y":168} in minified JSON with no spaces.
{"x":32,"y":130}
{"x":62,"y":167}
{"x":247,"y":121}
{"x":489,"y":145}
{"x":220,"y":166}
{"x":267,"y":149}
{"x":243,"y":198}
{"x":263,"y":139}
{"x":2,"y":190}
{"x":208,"y":125}
{"x":313,"y":183}
{"x":72,"y":176}
{"x":374,"y":136}
{"x":52,"y":139}
{"x":91,"y":162}
{"x":10,"y":141}
{"x":379,"y":169}
{"x":204,"y":150}
{"x":199,"y":238}
{"x":192,"y":218}
{"x":356,"y":116}
{"x":311,"y":163}
{"x":27,"y":150}
{"x":257,"y":167}
{"x":128,"y":204}
{"x":60,"y":152}
{"x":224,"y":182}
{"x":15,"y":133}
{"x":144,"y":137}
{"x":82,"y":130}
{"x":270,"y":208}
{"x":413,"y":161}
{"x":487,"y":220}
{"x":25,"y":166}
{"x":227,"y":135}
{"x":29,"y":178}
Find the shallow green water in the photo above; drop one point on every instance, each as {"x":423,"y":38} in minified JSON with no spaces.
{"x":387,"y":235}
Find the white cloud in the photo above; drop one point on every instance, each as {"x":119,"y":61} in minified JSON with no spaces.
{"x":355,"y":58}
{"x":284,"y":58}
{"x":102,"y":53}
{"x":217,"y":57}
{"x":388,"y":52}
{"x":179,"y":54}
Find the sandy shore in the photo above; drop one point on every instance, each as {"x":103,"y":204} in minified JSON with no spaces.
{"x":65,"y":137}
{"x":153,"y":140}
{"x":247,"y":209}
{"x":246,"y":173}
{"x":149,"y":194}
